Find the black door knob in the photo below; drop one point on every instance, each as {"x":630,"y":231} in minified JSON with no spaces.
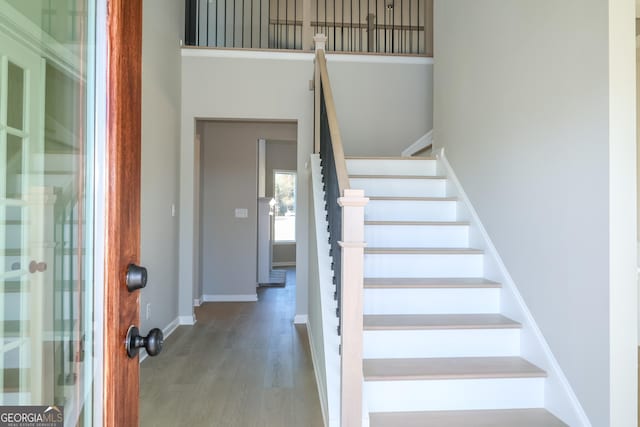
{"x":152,"y":343}
{"x":136,"y":277}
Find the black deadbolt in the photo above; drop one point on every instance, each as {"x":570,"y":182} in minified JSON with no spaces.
{"x":152,"y":342}
{"x":136,"y":277}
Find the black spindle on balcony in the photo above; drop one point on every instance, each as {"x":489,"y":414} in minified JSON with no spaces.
{"x":382,"y":26}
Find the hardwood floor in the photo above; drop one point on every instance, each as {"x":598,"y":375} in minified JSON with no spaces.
{"x":241,"y":365}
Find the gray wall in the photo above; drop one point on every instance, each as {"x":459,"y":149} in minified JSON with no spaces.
{"x":229,"y":168}
{"x":162,"y":30}
{"x":523,"y":103}
{"x":272,"y":86}
{"x":281,"y":155}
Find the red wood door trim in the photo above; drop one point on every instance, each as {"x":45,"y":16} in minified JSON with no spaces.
{"x":122,"y":216}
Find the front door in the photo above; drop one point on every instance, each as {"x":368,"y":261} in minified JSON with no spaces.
{"x":69,"y":208}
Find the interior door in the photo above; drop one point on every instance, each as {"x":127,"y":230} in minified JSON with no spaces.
{"x":70,"y":99}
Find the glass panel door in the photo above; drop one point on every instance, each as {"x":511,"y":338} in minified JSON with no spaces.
{"x":46,"y":212}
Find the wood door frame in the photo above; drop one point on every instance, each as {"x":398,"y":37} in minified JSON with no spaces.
{"x":121,"y":387}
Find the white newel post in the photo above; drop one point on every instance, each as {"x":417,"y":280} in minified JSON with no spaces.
{"x":41,"y":253}
{"x":353,"y":203}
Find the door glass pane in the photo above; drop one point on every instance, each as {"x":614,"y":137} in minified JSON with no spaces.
{"x":46,"y":195}
{"x":15,"y":113}
{"x":14,"y":167}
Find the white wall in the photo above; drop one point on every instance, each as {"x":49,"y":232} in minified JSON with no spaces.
{"x":525,"y":107}
{"x":162,"y":30}
{"x":229,"y":167}
{"x":275,"y":86}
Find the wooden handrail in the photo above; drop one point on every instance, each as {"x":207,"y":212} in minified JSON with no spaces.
{"x":332,"y":119}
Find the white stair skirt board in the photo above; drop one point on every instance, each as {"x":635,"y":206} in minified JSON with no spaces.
{"x":230,"y":298}
{"x":328,"y":344}
{"x":561,"y":400}
{"x":394,"y":186}
{"x":431,"y":301}
{"x":441,"y":343}
{"x":462,"y":394}
{"x":423,"y":265}
{"x":416,"y":235}
{"x":391,"y":166}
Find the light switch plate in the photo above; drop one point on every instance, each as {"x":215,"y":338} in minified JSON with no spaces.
{"x":242,"y":213}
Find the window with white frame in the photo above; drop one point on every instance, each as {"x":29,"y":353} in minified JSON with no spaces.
{"x":284,"y":193}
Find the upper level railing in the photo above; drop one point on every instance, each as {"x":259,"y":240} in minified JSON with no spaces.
{"x":360,"y":26}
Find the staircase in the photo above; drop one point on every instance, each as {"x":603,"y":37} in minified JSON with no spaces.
{"x":436,"y":349}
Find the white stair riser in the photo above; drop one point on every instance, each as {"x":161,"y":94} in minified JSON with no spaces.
{"x":452,"y":395}
{"x":423,"y":265}
{"x":441,"y":343}
{"x":431,"y":301}
{"x":400,"y":187}
{"x":416,"y":236}
{"x":409,"y":210}
{"x":391,"y":167}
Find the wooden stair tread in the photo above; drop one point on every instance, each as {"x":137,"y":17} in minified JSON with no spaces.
{"x":429,"y":223}
{"x":425,"y":251}
{"x":413,"y":199}
{"x":437,"y":282}
{"x":389,"y":158}
{"x":437,"y":177}
{"x":535,"y":417}
{"x":381,"y":322}
{"x":445,"y":368}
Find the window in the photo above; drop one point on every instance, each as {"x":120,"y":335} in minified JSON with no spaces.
{"x":284,"y":193}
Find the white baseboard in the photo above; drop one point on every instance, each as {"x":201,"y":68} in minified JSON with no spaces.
{"x":197,"y":302}
{"x":301,"y":319}
{"x":188,"y":320}
{"x":283,"y":264}
{"x":230,"y":298}
{"x":422,"y":143}
{"x":166,"y":331}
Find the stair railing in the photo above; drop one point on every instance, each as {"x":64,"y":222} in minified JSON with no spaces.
{"x":345,"y":216}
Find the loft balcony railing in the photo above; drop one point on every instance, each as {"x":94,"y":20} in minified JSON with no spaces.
{"x":392,"y":27}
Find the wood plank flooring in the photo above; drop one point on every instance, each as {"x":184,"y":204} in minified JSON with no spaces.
{"x":241,"y":365}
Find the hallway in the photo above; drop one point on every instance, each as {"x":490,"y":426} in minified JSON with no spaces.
{"x":241,"y":365}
